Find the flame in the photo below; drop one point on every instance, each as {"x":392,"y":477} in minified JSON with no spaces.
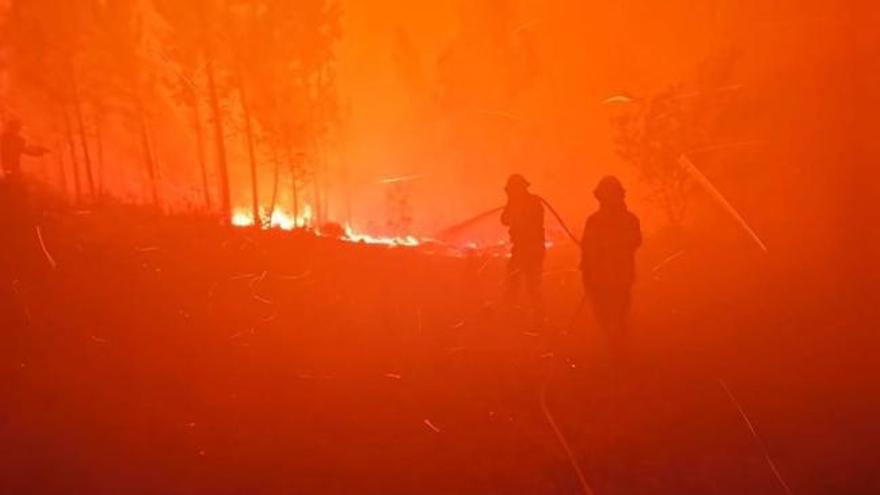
{"x":281,"y":219}
{"x":352,"y":236}
{"x":241,"y":218}
{"x":284,"y":220}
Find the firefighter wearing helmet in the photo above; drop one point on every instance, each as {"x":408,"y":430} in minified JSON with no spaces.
{"x":524,"y":217}
{"x":611,"y":237}
{"x":13,"y":189}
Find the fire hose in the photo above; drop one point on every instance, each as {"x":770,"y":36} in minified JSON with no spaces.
{"x":473,"y":220}
{"x":571,"y":236}
{"x":560,"y":437}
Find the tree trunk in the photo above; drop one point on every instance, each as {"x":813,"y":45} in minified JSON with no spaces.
{"x":347,"y":181}
{"x":314,"y":123}
{"x":83,"y":139}
{"x":200,"y":145}
{"x":316,"y":191}
{"x":325,"y":185}
{"x":249,"y":135}
{"x":274,"y":203}
{"x":71,"y":144}
{"x":220,"y":143}
{"x":345,"y":140}
{"x":147,"y":154}
{"x":157,"y":162}
{"x":99,"y":142}
{"x":62,"y":175}
{"x":293,"y":177}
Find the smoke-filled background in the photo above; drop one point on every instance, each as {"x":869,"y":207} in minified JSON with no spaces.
{"x":165,"y":102}
{"x":152,"y":348}
{"x":404,"y":118}
{"x":463,"y":93}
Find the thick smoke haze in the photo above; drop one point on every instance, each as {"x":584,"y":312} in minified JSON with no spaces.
{"x":450,"y":97}
{"x":279,"y":246}
{"x":460,"y":94}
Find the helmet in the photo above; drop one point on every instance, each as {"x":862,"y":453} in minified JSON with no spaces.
{"x":516,"y":182}
{"x":609,"y":189}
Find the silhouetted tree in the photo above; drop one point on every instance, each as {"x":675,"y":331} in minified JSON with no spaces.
{"x":126,"y":70}
{"x":294,"y":104}
{"x":184,"y":53}
{"x":266,"y":64}
{"x":651,"y":133}
{"x":40,"y":44}
{"x":195,"y":42}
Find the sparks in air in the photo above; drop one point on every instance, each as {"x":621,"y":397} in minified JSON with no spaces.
{"x":398,"y":179}
{"x":619,"y":99}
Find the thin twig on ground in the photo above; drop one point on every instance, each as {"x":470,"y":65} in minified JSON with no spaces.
{"x":49,"y":257}
{"x":757,"y":438}
{"x":585,"y":487}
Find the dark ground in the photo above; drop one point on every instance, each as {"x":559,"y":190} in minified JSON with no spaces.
{"x":168,"y":356}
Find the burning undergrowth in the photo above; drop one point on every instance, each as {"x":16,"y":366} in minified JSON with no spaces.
{"x":283,"y":220}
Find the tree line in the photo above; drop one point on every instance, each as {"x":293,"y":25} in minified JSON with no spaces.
{"x":255,"y":74}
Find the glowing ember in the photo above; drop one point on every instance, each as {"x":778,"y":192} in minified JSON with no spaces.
{"x":351,"y":235}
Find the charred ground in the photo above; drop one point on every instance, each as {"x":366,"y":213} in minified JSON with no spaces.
{"x":169,"y":355}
